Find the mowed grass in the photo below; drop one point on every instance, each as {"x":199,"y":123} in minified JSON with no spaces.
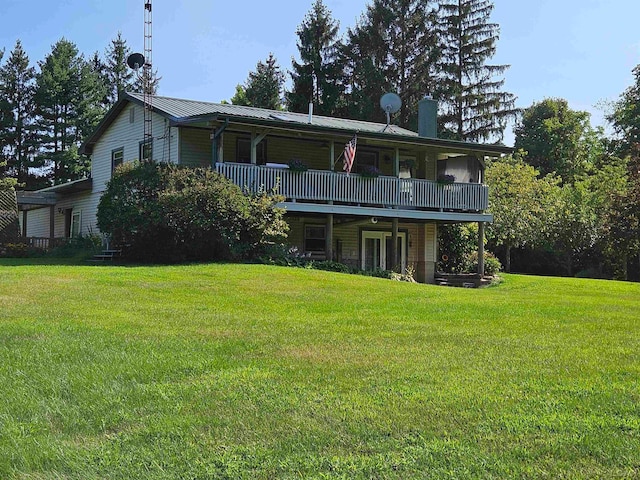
{"x":248,"y":371}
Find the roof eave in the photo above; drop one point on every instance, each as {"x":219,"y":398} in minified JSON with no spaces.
{"x":292,"y":126}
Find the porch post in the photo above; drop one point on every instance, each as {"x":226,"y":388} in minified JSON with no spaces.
{"x":394,"y":244}
{"x":328,"y":246}
{"x":24,"y":223}
{"x":481,"y":249}
{"x":332,"y":150}
{"x":254,"y":145}
{"x":52,"y":223}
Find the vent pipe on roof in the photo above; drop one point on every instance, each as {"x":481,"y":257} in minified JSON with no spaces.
{"x":428,"y":117}
{"x":310,"y":112}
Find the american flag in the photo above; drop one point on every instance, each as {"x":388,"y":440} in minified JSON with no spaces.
{"x":350,"y":154}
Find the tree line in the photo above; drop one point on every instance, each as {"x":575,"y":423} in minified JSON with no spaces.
{"x":47,"y":110}
{"x":411,"y":47}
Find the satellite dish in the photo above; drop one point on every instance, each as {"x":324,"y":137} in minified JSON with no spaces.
{"x":135,"y":61}
{"x":390,"y":103}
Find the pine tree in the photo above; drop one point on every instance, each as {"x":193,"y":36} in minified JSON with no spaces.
{"x":475,"y":107}
{"x":318,"y":78}
{"x":394,"y":48}
{"x":263,"y":88}
{"x":17,"y":134}
{"x":65,"y":97}
{"x":139,"y":82}
{"x":120,"y":76}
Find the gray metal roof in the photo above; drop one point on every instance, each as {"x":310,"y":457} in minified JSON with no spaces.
{"x":181,"y":110}
{"x":184,"y":112}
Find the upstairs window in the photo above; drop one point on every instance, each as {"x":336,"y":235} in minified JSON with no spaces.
{"x":117,"y":156}
{"x":146,"y":150}
{"x":243,"y":151}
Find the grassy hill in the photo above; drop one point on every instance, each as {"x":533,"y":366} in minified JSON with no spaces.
{"x":244,"y":371}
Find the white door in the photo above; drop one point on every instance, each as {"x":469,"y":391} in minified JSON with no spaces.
{"x":376,"y":250}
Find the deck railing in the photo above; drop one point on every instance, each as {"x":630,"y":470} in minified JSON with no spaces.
{"x":326,"y":186}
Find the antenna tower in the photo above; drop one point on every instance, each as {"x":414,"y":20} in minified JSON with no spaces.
{"x":147,"y":72}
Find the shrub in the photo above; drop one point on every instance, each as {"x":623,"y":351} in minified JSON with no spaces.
{"x":492,"y":265}
{"x":456,"y":243}
{"x":162,"y":212}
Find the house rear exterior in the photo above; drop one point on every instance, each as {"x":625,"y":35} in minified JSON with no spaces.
{"x":388,"y":221}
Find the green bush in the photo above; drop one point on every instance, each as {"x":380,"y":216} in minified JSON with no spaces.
{"x":169,"y":213}
{"x":492,"y":265}
{"x":456,"y":243}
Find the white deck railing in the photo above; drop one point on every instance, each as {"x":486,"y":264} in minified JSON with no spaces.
{"x":326,"y":186}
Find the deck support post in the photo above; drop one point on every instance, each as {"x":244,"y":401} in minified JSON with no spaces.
{"x":328,"y":247}
{"x":394,"y":245}
{"x":24,"y":223}
{"x":481,"y":249}
{"x":217,"y":143}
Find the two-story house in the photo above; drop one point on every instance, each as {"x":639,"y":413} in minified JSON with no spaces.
{"x":373,"y":222}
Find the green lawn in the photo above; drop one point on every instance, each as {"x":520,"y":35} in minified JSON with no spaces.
{"x":245,"y":371}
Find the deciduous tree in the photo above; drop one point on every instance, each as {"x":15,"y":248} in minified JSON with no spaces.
{"x":558,"y":139}
{"x":520,"y":202}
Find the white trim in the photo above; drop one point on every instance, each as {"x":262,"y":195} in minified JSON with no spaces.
{"x":383,"y":236}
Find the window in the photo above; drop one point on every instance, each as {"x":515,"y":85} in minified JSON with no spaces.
{"x":116,"y":158}
{"x":364,"y":160}
{"x":243,"y":152}
{"x":314,"y":238}
{"x":132,"y":115}
{"x":75,"y":224}
{"x":146,"y":150}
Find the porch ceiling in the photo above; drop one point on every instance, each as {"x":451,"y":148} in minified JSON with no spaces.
{"x":299,"y":207}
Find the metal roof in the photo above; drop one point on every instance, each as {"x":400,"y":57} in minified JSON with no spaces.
{"x":180,"y":109}
{"x":184,"y":112}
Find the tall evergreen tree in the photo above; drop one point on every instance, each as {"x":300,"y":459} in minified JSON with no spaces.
{"x":263,"y":88}
{"x":318,"y":78}
{"x":120,"y":76}
{"x":65,"y":97}
{"x":474,"y":105}
{"x":17,"y":130}
{"x":393,"y":48}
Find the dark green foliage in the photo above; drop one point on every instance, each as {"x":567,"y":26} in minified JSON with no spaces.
{"x":492,"y":265}
{"x":318,"y":78}
{"x":68,"y":96}
{"x":392,"y":49}
{"x":558,"y":139}
{"x":161,"y":212}
{"x":470,"y":91}
{"x":456,"y":242}
{"x":120,"y":77}
{"x":17,"y":130}
{"x":625,"y":117}
{"x":622,"y":220}
{"x":263,"y":88}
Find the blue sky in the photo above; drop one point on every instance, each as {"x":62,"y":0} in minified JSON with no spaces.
{"x":580,"y":50}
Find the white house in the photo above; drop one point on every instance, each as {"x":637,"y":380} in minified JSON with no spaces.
{"x":353,"y":219}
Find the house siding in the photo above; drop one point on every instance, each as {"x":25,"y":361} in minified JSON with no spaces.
{"x":421,"y":241}
{"x":122,"y":134}
{"x":195,"y":147}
